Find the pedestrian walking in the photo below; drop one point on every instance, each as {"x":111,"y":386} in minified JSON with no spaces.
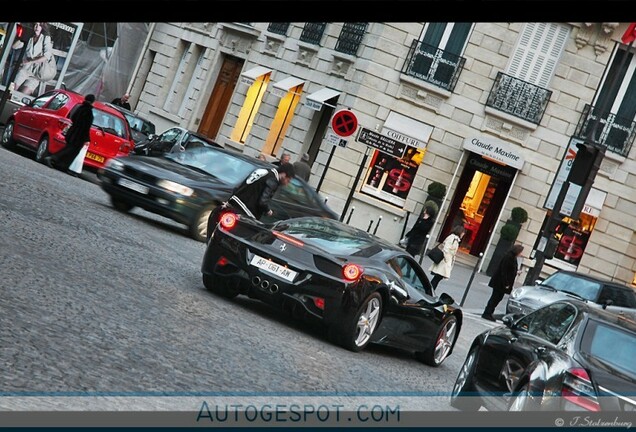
{"x":302,"y":167}
{"x":77,"y":135}
{"x":503,"y":280}
{"x":122,"y":101}
{"x":449,"y":246}
{"x":416,"y":237}
{"x":252,"y":197}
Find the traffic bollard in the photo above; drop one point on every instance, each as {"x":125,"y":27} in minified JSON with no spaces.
{"x":470,"y":280}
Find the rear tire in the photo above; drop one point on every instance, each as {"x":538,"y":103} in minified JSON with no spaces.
{"x":43,"y":149}
{"x":356,"y":332}
{"x":440,"y":349}
{"x":120,"y":205}
{"x":220,"y":286}
{"x":7,"y":136}
{"x":462,"y":396}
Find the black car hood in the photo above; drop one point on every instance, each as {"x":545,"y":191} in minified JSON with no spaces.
{"x":167,"y":169}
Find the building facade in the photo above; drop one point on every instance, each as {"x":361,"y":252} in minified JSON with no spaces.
{"x":493,"y":111}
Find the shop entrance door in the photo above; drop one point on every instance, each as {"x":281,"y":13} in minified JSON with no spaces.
{"x":221,"y":95}
{"x":481,"y":191}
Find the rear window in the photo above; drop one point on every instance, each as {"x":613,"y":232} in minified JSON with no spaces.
{"x":336,"y":238}
{"x":141,"y":125}
{"x":109,"y":123}
{"x":611,"y":345}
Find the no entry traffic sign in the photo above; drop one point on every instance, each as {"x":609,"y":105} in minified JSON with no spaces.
{"x":344,"y":123}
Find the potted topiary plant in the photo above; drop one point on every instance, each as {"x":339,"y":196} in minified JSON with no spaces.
{"x":436,"y":192}
{"x":507,"y":237}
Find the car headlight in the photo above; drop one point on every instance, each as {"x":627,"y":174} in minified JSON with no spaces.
{"x":114,"y":164}
{"x":175,"y":187}
{"x":517,"y":292}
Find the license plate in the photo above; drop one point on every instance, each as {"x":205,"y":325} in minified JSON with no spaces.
{"x":133,"y":186}
{"x":96,"y":158}
{"x":273,"y":268}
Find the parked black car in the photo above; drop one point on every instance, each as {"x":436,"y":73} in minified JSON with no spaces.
{"x":567,"y":356}
{"x":564,"y":284}
{"x":141,"y":128}
{"x":363,"y":289}
{"x":186,"y":186}
{"x":173,"y":140}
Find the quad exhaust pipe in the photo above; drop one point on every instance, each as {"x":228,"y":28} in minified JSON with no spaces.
{"x":264,"y":284}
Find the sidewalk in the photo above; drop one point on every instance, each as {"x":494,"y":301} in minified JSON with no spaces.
{"x":476,"y":292}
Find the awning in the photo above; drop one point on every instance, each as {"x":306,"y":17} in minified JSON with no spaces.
{"x":282,"y":87}
{"x":317,"y":99}
{"x":249,"y":76}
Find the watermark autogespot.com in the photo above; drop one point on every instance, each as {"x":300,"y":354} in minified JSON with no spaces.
{"x":592,"y":421}
{"x":294,"y":413}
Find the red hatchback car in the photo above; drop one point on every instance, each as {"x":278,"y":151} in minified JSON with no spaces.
{"x":39,"y":124}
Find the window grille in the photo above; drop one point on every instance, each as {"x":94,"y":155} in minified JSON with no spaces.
{"x":278,"y":28}
{"x":312,"y":33}
{"x":350,"y":38}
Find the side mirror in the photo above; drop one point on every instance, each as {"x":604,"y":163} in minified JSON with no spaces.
{"x":446,"y":299}
{"x":27,"y":101}
{"x":509,"y":319}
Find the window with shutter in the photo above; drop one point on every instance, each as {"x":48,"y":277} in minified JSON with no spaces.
{"x":537,"y":53}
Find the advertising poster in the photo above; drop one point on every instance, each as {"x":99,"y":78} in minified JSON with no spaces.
{"x":38,"y":59}
{"x":390,"y":178}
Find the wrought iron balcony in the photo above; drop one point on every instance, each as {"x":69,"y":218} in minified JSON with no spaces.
{"x":614,"y":133}
{"x":433,"y":65}
{"x":518,"y":98}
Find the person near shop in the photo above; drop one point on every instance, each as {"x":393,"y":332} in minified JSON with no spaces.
{"x":252,"y":197}
{"x":78,"y":134}
{"x":416,"y":237}
{"x":302,"y":167}
{"x":503,"y":280}
{"x":122,"y":101}
{"x":449,"y":246}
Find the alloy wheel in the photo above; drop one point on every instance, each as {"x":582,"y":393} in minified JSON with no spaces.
{"x":445,"y":340}
{"x":367,"y":321}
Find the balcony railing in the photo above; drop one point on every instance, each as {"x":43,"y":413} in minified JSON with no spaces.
{"x":518,"y":98}
{"x":433,"y":65}
{"x":614,"y":133}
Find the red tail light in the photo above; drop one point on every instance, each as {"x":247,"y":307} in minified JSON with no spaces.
{"x":352,"y":272}
{"x":126,"y":147}
{"x":228,"y":220}
{"x":63,"y":125}
{"x":578,"y":389}
{"x":18,"y":30}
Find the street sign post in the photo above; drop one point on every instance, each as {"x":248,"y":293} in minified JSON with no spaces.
{"x":381,"y":142}
{"x":344,"y":123}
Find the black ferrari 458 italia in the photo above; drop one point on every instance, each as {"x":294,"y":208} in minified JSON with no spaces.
{"x":363,"y":289}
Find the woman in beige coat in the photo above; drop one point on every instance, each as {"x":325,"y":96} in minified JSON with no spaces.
{"x":449,"y":246}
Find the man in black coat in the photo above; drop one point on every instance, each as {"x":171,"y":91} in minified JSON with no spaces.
{"x":416,"y":237}
{"x":252,"y":196}
{"x":502,"y":280}
{"x":78,"y":134}
{"x":122,"y":101}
